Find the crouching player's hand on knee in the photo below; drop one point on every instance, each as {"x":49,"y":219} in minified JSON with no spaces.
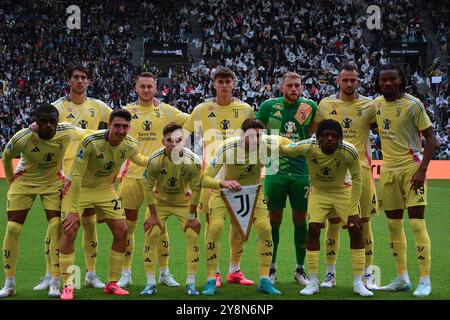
{"x":151,"y":221}
{"x":354,"y":221}
{"x":71,"y":222}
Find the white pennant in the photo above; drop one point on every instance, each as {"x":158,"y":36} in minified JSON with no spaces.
{"x":241,"y":205}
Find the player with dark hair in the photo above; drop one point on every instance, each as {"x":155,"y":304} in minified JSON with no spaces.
{"x":356,"y":114}
{"x":39,"y":173}
{"x":329,"y":160}
{"x":402,"y":122}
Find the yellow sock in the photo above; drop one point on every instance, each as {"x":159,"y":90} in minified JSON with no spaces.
{"x":115,"y":265}
{"x":66,"y":261}
{"x":150,"y":250}
{"x":130,"y":244}
{"x":192,"y":251}
{"x":368,"y":243}
{"x":54,"y":232}
{"x":423,"y":245}
{"x":163,"y":249}
{"x":11,"y":247}
{"x":265,"y":245}
{"x":48,"y":261}
{"x":212,"y":243}
{"x":90,"y":241}
{"x":358,"y":260}
{"x":236,"y":245}
{"x":398,"y":244}
{"x":332,"y":242}
{"x":312,"y":261}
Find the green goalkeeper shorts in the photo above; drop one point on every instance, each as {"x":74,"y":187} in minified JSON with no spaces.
{"x":278,"y":186}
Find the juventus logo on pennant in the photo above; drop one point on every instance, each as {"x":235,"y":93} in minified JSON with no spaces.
{"x":241,"y":205}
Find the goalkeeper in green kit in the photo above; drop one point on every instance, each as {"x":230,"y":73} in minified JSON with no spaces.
{"x":289,"y":116}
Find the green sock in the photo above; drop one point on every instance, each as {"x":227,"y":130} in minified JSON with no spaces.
{"x":300,"y":235}
{"x":275,"y":238}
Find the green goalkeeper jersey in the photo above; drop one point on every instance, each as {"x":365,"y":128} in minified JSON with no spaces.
{"x":290,"y":120}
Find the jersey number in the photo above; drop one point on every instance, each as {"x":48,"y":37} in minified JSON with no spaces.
{"x":116,"y":204}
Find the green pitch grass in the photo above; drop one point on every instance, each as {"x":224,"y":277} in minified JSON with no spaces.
{"x":31,"y":263}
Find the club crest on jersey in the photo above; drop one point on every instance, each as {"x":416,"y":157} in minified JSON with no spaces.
{"x":122,"y":153}
{"x":182,"y":171}
{"x":358,"y":111}
{"x":303,"y":112}
{"x":158,"y":113}
{"x":49,"y":157}
{"x":91,"y":112}
{"x":337,"y":162}
{"x":347,"y":123}
{"x":109,"y":165}
{"x":236,"y":113}
{"x":398,"y":112}
{"x":83,"y":124}
{"x":34,"y":141}
{"x":60,"y":144}
{"x":147,"y":125}
{"x":225,"y":124}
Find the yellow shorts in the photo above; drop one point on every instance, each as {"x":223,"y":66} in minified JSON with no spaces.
{"x":132,"y":192}
{"x":164,"y":212}
{"x":395,"y":190}
{"x":326,"y":204}
{"x":203,"y":205}
{"x":106,"y":202}
{"x":368,"y":201}
{"x":21,"y":196}
{"x":218,"y":208}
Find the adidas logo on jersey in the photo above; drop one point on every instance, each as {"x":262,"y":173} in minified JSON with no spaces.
{"x":421,"y":200}
{"x":100,"y":156}
{"x":333,"y":112}
{"x":278,"y":114}
{"x":35,"y":149}
{"x":135,"y":116}
{"x":70,"y":116}
{"x":211,"y":115}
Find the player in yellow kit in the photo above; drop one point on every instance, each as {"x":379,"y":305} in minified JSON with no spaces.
{"x":218,"y":119}
{"x":87,"y":113}
{"x":402,"y":121}
{"x":356,"y":114}
{"x":92,"y":184}
{"x":334,"y":191}
{"x":241,"y":161}
{"x":39,"y":173}
{"x":172,"y":171}
{"x":148,"y":120}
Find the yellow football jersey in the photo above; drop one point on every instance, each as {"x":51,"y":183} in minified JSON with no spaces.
{"x":147,"y":126}
{"x":87,"y":115}
{"x":400,"y":123}
{"x":217,"y":123}
{"x":329,"y":172}
{"x":355,"y":118}
{"x":98,"y":163}
{"x":171,"y":181}
{"x":41,"y":160}
{"x":238,"y":164}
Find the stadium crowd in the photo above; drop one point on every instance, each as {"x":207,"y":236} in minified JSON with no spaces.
{"x":259,"y":41}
